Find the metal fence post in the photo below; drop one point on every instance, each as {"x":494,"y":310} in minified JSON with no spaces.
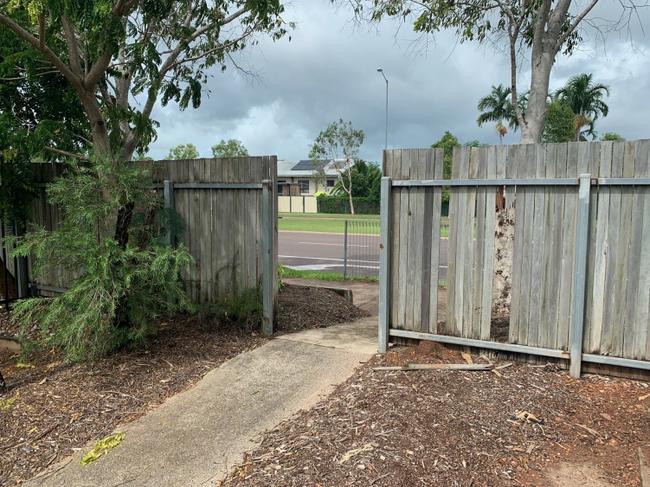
{"x":384,"y":264}
{"x":345,"y":251}
{"x":170,"y":205}
{"x":580,"y":276}
{"x":268,"y":274}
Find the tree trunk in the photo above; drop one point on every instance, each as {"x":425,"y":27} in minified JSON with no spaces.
{"x":351,"y":202}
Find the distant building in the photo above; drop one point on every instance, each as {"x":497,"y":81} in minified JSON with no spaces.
{"x":308,"y":177}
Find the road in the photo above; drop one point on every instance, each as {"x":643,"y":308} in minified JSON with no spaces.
{"x":324,"y":251}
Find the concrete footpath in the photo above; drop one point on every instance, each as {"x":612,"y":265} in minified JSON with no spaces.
{"x":197,"y":436}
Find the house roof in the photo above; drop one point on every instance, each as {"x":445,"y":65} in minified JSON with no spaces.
{"x":309,"y":167}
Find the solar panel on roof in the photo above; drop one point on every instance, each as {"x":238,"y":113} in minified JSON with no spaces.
{"x":309,"y":165}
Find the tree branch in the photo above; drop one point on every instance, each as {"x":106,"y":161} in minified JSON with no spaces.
{"x":40,"y":45}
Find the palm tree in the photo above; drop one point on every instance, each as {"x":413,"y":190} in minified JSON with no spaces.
{"x":497,"y":107}
{"x":586,"y":100}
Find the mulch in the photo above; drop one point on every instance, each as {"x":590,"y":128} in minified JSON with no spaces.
{"x":51,"y":408}
{"x":302,"y":307}
{"x":454,"y":428}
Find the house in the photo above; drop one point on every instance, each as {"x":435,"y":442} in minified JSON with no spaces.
{"x":308,"y":177}
{"x":300,"y":181}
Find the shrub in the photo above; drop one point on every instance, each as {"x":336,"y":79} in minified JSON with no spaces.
{"x":341,"y":204}
{"x":119,"y":288}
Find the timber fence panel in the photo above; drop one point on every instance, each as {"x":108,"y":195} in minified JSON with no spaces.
{"x":219,"y":202}
{"x":547,"y":279}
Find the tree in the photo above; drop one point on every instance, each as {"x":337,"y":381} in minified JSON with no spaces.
{"x":339,"y":143}
{"x":585,"y":98}
{"x":613,"y":136}
{"x":447,"y":143}
{"x":118,"y":290}
{"x":40,"y":119}
{"x":183,"y":151}
{"x":497,"y":107}
{"x":366,"y":181}
{"x":229,"y":148}
{"x":119,"y":51}
{"x":560,"y":123}
{"x":541,"y":28}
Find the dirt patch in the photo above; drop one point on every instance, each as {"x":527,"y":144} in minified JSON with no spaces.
{"x":301,"y":307}
{"x":365,"y":294}
{"x":513,"y":427}
{"x":52,"y":407}
{"x":49,"y":408}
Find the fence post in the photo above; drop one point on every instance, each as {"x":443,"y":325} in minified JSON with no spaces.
{"x":345,"y":251}
{"x":268,"y":274}
{"x":170,"y":205}
{"x":580,"y":276}
{"x":384,"y":264}
{"x":22,"y":275}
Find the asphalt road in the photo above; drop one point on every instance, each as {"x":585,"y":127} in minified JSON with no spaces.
{"x":325,"y":251}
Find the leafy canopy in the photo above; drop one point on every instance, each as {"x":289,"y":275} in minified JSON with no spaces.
{"x":340,"y":140}
{"x":559,"y":125}
{"x":122,"y":57}
{"x":229,"y":148}
{"x":116,"y":291}
{"x":366,"y":181}
{"x":585,"y":98}
{"x":183,"y":151}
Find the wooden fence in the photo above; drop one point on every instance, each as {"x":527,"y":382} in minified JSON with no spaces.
{"x":580,"y":271}
{"x":228,"y":211}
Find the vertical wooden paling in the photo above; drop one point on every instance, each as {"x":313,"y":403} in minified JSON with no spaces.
{"x":438,"y":163}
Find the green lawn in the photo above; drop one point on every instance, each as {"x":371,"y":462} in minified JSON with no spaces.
{"x":334,"y":223}
{"x":322,"y":275}
{"x":321,"y":222}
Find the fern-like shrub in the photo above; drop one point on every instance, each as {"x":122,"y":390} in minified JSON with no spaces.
{"x":119,"y":288}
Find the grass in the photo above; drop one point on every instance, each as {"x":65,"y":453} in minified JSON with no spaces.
{"x":321,"y":222}
{"x":323,"y":276}
{"x":334,"y":223}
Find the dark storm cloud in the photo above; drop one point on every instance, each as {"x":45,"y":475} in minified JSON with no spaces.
{"x":328,"y":71}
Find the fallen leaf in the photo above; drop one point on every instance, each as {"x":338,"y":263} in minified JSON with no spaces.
{"x":21,"y":365}
{"x":643,"y":398}
{"x":467,"y":357}
{"x":102,"y":447}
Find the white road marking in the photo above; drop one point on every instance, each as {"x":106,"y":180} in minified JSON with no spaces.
{"x":327,"y":258}
{"x":333,"y":244}
{"x":334,"y":259}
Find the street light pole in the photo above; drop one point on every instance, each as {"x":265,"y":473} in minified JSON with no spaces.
{"x":381,"y":71}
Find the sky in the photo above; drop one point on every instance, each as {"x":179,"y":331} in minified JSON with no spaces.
{"x":328,"y":70}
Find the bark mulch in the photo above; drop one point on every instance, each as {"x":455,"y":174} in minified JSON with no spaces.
{"x":50,"y":408}
{"x":302,"y":307}
{"x":453,"y":428}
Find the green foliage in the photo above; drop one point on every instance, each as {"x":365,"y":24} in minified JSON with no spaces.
{"x":341,"y":204}
{"x":340,"y":140}
{"x":38,"y":113}
{"x":560,"y":123}
{"x":183,"y":152}
{"x":115,"y":52}
{"x":613,"y":136}
{"x":323,"y":275}
{"x":447,"y":143}
{"x":366,"y":181}
{"x":229,"y":148}
{"x":243,"y":309}
{"x":116,"y":291}
{"x":585,"y":98}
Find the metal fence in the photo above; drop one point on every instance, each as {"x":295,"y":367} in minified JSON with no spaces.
{"x":361,"y":248}
{"x":579,"y":256}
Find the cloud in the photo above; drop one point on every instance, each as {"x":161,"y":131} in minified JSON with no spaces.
{"x":328,"y":71}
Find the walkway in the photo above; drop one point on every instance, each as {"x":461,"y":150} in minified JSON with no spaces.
{"x":195,"y":437}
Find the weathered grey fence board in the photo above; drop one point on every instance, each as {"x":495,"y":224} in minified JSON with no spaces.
{"x":617,"y":302}
{"x":222,"y":227}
